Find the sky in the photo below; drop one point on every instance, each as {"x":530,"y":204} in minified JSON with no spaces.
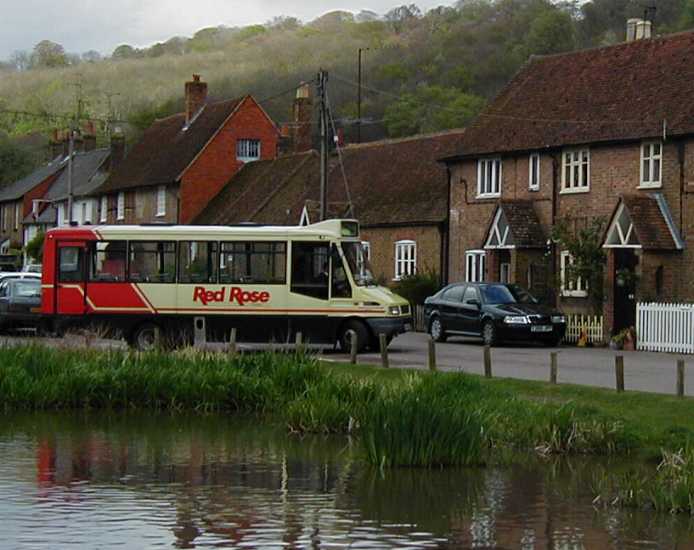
{"x":82,"y":25}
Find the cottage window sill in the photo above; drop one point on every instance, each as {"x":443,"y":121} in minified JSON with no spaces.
{"x":574,"y":190}
{"x":488,"y":196}
{"x":643,"y":185}
{"x":160,"y":214}
{"x":534,"y":189}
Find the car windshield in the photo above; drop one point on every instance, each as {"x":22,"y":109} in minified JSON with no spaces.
{"x":27,"y":288}
{"x":506,"y":294}
{"x":358,"y":263}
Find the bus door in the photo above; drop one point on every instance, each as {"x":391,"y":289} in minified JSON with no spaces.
{"x":71,"y":286}
{"x":309,"y":291}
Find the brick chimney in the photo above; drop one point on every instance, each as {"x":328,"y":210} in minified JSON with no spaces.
{"x":196,"y":94}
{"x":117,"y":148}
{"x":89,"y":136}
{"x":303,"y":115}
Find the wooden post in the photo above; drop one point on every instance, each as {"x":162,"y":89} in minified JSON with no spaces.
{"x":384,"y":350}
{"x":553,"y":367}
{"x":680,"y":378}
{"x":432,"y":355}
{"x":353,"y":342}
{"x":619,"y":372}
{"x":299,"y":342}
{"x":487,"y":362}
{"x":232,"y":342}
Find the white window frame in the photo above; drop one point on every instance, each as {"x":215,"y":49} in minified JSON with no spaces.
{"x":120,"y":206}
{"x":16,"y":216}
{"x":405,"y":259}
{"x":575,"y":165}
{"x":161,"y":201}
{"x":248,"y":149}
{"x":534,"y":182}
{"x":366,"y":246}
{"x":103,"y":215}
{"x":475,"y":265}
{"x":647,"y":179}
{"x":489,"y":177}
{"x":574,"y":289}
{"x":84,"y":213}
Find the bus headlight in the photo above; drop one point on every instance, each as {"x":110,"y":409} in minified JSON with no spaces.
{"x":394,"y":310}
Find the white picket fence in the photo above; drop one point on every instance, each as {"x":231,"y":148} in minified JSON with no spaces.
{"x":591,"y":324}
{"x":665,"y":327}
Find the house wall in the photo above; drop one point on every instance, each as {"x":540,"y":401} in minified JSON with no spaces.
{"x":10,"y":225}
{"x":382,"y":242}
{"x":615,"y":170}
{"x":141,"y":206}
{"x":217,"y":163}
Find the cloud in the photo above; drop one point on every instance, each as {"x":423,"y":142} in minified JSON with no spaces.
{"x":81,"y":25}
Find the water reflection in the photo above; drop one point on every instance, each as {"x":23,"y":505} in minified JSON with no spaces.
{"x":144,"y":481}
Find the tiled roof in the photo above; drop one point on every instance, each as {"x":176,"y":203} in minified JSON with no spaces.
{"x":16,"y":190}
{"x":84,"y":169}
{"x":168,"y":147}
{"x":649,"y":215}
{"x":523,"y":223}
{"x":630,"y":91}
{"x":391,"y":181}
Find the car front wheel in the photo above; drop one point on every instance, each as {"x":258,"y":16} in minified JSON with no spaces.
{"x":436,"y":329}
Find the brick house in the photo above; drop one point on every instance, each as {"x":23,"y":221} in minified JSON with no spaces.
{"x":183,"y":161}
{"x":16,"y":202}
{"x":398,"y":192}
{"x":605,"y":133}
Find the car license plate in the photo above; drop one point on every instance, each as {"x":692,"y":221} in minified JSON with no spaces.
{"x":541,"y":328}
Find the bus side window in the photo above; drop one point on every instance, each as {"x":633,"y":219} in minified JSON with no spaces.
{"x":152,"y":262}
{"x":71,"y":264}
{"x":197,"y":262}
{"x":310,"y":263}
{"x":249,"y":262}
{"x":107,"y":262}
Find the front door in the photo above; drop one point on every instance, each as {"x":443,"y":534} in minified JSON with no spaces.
{"x":625,"y":288}
{"x":71,"y":286}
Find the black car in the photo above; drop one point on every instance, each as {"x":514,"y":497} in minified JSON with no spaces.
{"x":494,"y":311}
{"x":20,"y":303}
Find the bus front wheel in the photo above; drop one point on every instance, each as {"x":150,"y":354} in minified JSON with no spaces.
{"x":147,"y":337}
{"x":345,"y":336}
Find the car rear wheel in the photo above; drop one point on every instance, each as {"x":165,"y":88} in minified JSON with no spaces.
{"x":436,"y":329}
{"x":489,"y":334}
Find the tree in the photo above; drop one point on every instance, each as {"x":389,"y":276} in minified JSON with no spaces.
{"x":21,"y":60}
{"x":91,"y":56}
{"x":124,"y":51}
{"x":34,"y":248}
{"x":15,"y":162}
{"x":430,"y":109}
{"x":551,"y":32}
{"x":48,"y":54}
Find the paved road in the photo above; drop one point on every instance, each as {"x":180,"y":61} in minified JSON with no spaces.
{"x":644,"y":371}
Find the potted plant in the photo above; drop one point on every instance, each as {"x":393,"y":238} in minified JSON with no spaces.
{"x":625,"y":339}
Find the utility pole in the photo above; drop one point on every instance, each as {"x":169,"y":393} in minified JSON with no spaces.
{"x":74,"y":125}
{"x":359,"y":95}
{"x":322,"y":81}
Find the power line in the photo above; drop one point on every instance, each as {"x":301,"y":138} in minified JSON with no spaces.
{"x":496,"y":115}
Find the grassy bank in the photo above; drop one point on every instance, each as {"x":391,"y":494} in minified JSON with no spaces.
{"x":400,"y":418}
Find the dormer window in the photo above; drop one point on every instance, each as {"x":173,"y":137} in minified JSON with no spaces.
{"x":248,"y":150}
{"x":651,"y":164}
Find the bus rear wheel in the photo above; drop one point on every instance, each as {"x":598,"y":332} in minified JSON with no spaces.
{"x":345,"y":336}
{"x":147,"y":337}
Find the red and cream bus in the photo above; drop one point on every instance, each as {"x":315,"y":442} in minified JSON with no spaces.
{"x":267,"y":282}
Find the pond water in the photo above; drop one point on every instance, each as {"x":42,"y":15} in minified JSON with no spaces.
{"x":134,"y":481}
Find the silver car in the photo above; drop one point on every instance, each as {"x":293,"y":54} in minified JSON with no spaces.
{"x":20,"y":303}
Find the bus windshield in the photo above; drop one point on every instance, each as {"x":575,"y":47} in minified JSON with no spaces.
{"x":358,"y":263}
